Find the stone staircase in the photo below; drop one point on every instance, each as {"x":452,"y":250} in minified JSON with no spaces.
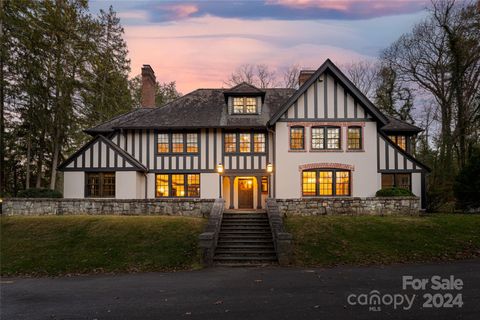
{"x":245,"y":239}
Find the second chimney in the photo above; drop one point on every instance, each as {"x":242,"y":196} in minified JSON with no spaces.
{"x":304,"y":76}
{"x":148,"y":87}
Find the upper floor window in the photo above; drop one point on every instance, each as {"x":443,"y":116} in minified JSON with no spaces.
{"x":244,"y":105}
{"x":354,"y":138}
{"x":177,"y":142}
{"x":400,"y":141}
{"x":297,"y":138}
{"x":326,"y":182}
{"x":325,"y":138}
{"x":100,"y":184}
{"x":244,"y":142}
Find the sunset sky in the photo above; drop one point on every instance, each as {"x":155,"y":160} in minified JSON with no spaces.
{"x":199,"y":43}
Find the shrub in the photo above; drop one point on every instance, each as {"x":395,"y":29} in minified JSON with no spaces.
{"x":393,"y":192}
{"x":467,"y":184}
{"x":39,"y":193}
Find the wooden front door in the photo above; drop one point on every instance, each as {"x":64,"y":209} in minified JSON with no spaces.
{"x":245,"y":193}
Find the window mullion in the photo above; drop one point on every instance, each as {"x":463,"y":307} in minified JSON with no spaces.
{"x":317,"y":183}
{"x":334,"y":182}
{"x":185,"y":184}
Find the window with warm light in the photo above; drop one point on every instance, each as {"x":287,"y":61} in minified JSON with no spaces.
{"x":245,"y":142}
{"x":244,"y":105}
{"x":400,"y":141}
{"x":259,"y":142}
{"x":354,"y":138}
{"x":178,"y":142}
{"x":230,"y":141}
{"x":297,"y":138}
{"x":264,"y":185}
{"x":100,"y":184}
{"x":177,"y":185}
{"x":326,"y":182}
{"x":398,"y":180}
{"x":162,"y":189}
{"x":192,"y":143}
{"x":163,"y":145}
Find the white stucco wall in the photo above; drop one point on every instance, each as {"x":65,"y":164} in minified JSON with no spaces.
{"x":364,"y":177}
{"x":73,"y":184}
{"x":129,"y":185}
{"x":417,"y":184}
{"x":209,"y":187}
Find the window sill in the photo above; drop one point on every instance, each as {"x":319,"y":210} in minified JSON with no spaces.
{"x":178,"y":153}
{"x":297,"y":150}
{"x":356,"y":150}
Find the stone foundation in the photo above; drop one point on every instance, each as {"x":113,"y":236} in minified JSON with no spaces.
{"x":349,"y":206}
{"x":174,"y":207}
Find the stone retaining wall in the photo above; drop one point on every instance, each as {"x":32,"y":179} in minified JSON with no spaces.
{"x":349,"y":206}
{"x":174,"y":207}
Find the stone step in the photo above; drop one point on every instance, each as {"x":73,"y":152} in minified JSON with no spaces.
{"x":244,"y":240}
{"x":241,"y":259}
{"x":227,"y":220}
{"x":244,"y":233}
{"x":244,"y":211}
{"x":245,"y":216}
{"x":234,"y":246}
{"x":243,"y":227}
{"x":244,"y":253}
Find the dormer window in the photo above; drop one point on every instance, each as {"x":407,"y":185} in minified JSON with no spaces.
{"x":244,"y":105}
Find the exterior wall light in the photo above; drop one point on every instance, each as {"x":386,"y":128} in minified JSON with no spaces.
{"x":269,"y":168}
{"x":220,"y":168}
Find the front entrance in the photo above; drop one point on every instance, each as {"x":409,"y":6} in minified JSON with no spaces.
{"x":245,"y":193}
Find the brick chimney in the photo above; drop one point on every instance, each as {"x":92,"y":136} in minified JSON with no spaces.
{"x":304,"y":76}
{"x":148,"y":87}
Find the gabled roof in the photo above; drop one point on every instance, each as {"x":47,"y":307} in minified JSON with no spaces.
{"x":125,"y":155}
{"x":397,"y":125}
{"x":329,"y":66}
{"x":243,"y":88}
{"x":202,"y":108}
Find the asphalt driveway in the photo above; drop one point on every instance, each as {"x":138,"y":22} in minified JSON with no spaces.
{"x":257,"y":293}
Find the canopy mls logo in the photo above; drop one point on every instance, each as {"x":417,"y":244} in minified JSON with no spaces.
{"x":375,"y":300}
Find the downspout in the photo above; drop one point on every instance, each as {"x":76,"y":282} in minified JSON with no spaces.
{"x":271,"y":193}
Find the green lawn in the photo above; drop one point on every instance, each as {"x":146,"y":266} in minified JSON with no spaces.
{"x":332,"y":240}
{"x":84,"y":244}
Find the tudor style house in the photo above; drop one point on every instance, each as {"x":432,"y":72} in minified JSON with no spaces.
{"x":244,"y":144}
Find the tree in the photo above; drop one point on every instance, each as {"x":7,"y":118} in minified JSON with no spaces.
{"x":467,"y":183}
{"x":391,"y":96}
{"x":107,"y":93}
{"x":164,"y":92}
{"x":364,"y":74}
{"x":263,"y":76}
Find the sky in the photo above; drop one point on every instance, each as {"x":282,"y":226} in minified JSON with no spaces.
{"x":199,"y":43}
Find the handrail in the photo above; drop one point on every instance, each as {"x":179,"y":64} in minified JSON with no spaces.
{"x":282,"y":240}
{"x":209,"y":238}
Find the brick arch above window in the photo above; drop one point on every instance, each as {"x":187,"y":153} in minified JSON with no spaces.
{"x":326,"y":165}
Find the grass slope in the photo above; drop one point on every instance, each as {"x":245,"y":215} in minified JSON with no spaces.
{"x":84,"y":244}
{"x":331,"y":240}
